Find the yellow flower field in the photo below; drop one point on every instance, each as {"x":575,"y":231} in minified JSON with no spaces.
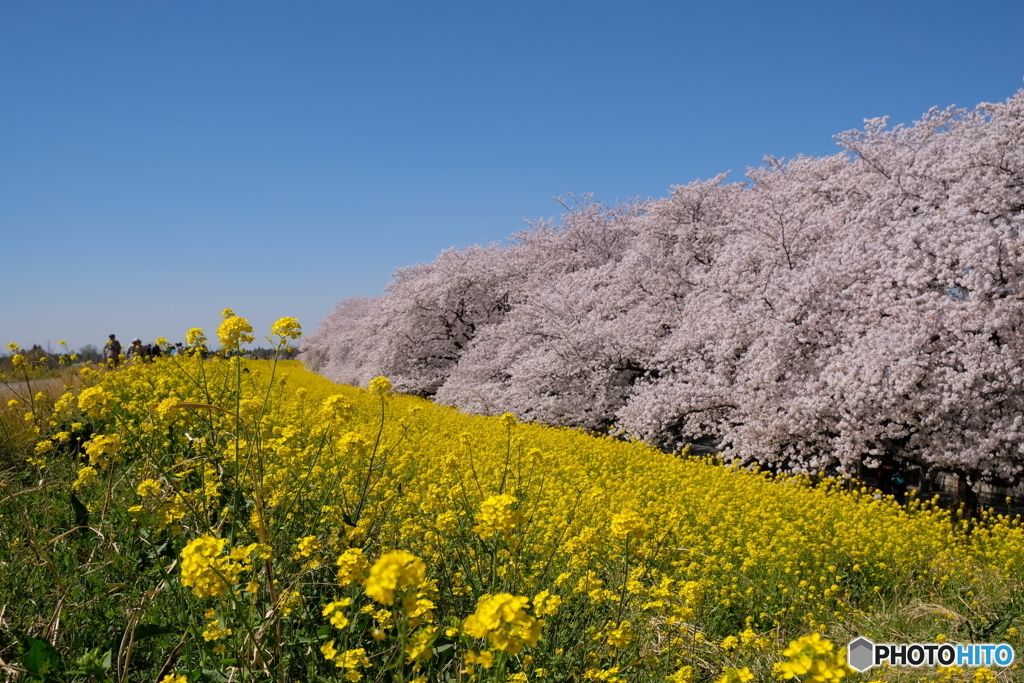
{"x":229,"y":519}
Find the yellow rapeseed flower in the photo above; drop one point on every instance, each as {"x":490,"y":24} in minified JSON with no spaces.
{"x":503,"y":621}
{"x":394,"y":571}
{"x":418,"y":649}
{"x":195,"y":338}
{"x":286,"y":328}
{"x":336,"y":407}
{"x":234,"y":332}
{"x":620,"y":636}
{"x":352,"y":566}
{"x":813,"y":655}
{"x":545,"y":603}
{"x":484,"y":659}
{"x":93,"y":400}
{"x":86,"y":476}
{"x":733,"y":675}
{"x":148,"y":487}
{"x":206,"y":569}
{"x":682,"y":675}
{"x":335,"y":612}
{"x":353,"y":660}
{"x":628,"y":524}
{"x":496,"y":515}
{"x":306,"y":546}
{"x":380,"y":385}
{"x":215,"y":630}
{"x":102,"y":448}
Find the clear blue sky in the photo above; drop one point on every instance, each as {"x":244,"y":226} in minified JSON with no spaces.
{"x":162,"y":160}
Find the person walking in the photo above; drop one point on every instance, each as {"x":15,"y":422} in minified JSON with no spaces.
{"x":112,"y":352}
{"x":137,"y":350}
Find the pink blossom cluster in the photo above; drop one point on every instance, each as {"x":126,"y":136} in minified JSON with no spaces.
{"x":826,"y":314}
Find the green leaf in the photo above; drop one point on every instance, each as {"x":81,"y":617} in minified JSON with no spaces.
{"x":81,"y":512}
{"x":144,"y":631}
{"x":41,"y":658}
{"x":213,"y":676}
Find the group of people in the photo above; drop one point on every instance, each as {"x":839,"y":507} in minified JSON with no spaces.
{"x":147,"y":352}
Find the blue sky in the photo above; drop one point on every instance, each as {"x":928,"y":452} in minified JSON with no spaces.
{"x":162,"y":160}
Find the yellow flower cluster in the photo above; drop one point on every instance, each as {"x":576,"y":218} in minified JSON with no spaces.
{"x":350,"y":660}
{"x":503,"y":621}
{"x":815,"y":658}
{"x":352,"y":566}
{"x":682,"y":675}
{"x":195,"y":338}
{"x":497,"y":515}
{"x":628,"y":524}
{"x":207,"y":570}
{"x":286,"y":328}
{"x":234,"y":331}
{"x":148,"y":488}
{"x":93,"y":400}
{"x":734,"y":675}
{"x":546,"y":604}
{"x":101,"y":448}
{"x":380,"y":385}
{"x":215,"y":630}
{"x":394,"y":571}
{"x":335,"y":612}
{"x":336,"y":407}
{"x":86,"y":476}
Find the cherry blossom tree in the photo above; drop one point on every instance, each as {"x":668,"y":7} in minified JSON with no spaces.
{"x":827,"y":314}
{"x":338,"y":348}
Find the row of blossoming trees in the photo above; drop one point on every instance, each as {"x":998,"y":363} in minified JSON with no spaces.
{"x":827,"y":314}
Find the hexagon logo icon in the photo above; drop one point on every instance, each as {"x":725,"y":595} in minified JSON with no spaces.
{"x":860,"y":654}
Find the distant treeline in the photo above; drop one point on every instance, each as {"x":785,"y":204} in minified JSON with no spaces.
{"x":40,"y":358}
{"x":50,"y":359}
